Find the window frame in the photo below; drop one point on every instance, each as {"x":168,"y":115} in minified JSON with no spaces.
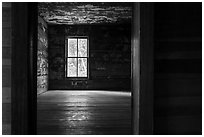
{"x":66,"y":57}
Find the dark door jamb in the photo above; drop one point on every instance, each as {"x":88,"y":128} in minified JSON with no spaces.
{"x":142,"y":69}
{"x":24,"y":68}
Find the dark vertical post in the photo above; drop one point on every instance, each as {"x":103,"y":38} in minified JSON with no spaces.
{"x":23,"y":89}
{"x":32,"y":70}
{"x":19,"y":70}
{"x":146,"y":69}
{"x":135,"y":47}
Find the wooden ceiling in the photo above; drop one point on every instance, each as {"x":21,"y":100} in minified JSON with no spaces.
{"x":85,"y":13}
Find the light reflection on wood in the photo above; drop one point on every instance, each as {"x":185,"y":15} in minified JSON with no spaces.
{"x":84,"y":112}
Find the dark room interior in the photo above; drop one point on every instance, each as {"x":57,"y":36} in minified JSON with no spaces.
{"x":85,"y":94}
{"x":101,"y":68}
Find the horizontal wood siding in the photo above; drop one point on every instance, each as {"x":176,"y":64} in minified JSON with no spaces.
{"x":6,"y":68}
{"x":109,"y":56}
{"x":178,"y":68}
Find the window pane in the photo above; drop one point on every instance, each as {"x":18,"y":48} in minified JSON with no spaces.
{"x":82,"y":67}
{"x":82,"y":43}
{"x":72,"y":67}
{"x":72,"y":47}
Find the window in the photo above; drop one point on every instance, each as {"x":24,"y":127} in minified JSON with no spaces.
{"x":77,"y":57}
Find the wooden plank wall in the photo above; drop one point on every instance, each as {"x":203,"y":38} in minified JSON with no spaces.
{"x":178,"y":68}
{"x":6,"y":68}
{"x":109,"y":57}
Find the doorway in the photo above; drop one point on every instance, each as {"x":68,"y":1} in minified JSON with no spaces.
{"x":84,"y":68}
{"x":24,"y":101}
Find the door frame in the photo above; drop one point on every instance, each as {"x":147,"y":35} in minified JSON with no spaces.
{"x":142,"y":68}
{"x":24,"y":68}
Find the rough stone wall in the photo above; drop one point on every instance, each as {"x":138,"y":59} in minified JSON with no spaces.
{"x":85,"y":12}
{"x":42,"y":62}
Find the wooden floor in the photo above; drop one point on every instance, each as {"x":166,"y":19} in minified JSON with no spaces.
{"x":84,"y":112}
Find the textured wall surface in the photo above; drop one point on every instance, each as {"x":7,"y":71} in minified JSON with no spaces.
{"x":6,"y":68}
{"x":178,"y":68}
{"x":42,"y":63}
{"x":110,"y":56}
{"x":85,"y":13}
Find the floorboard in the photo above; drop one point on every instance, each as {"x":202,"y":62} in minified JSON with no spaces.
{"x":84,"y":113}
